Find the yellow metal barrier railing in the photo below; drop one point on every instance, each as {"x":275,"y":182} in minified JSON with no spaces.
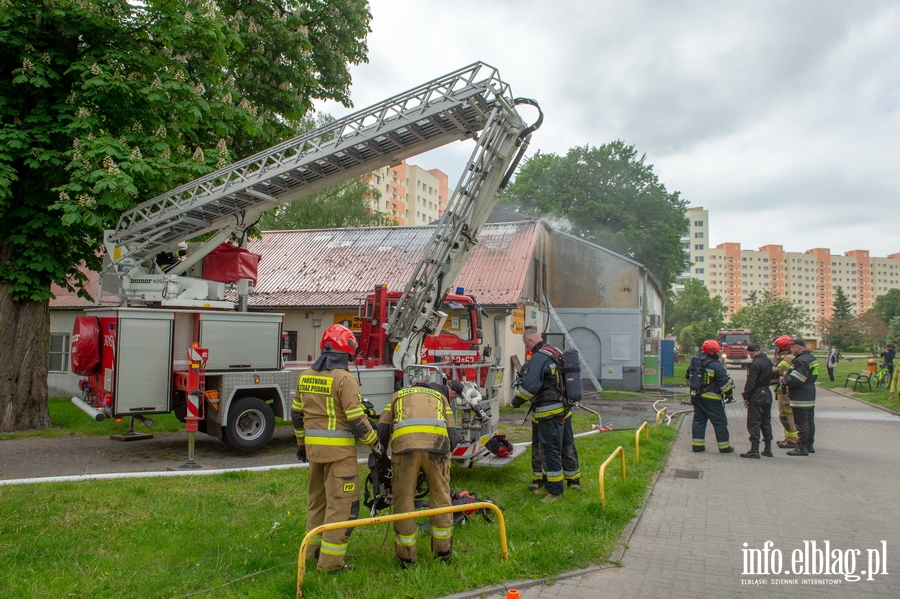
{"x":664,"y":413}
{"x":637,"y":439}
{"x":621,"y":453}
{"x":504,"y":552}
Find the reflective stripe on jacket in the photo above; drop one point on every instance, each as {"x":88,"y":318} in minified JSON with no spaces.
{"x":418,"y":419}
{"x":801,"y":380}
{"x":539,"y":385}
{"x":328,"y":417}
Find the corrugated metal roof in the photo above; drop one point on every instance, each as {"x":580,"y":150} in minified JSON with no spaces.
{"x":337,"y":267}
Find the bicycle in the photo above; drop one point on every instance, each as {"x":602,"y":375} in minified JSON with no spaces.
{"x":882,"y":378}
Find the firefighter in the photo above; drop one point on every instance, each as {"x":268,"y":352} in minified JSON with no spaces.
{"x":418,"y":424}
{"x":539,"y":384}
{"x":801,"y":383}
{"x":571,"y":471}
{"x":783,"y":360}
{"x":715,"y":387}
{"x":758,"y":401}
{"x":328,"y":420}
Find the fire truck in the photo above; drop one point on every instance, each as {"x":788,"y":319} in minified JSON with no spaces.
{"x":175,"y":342}
{"x":734,"y":345}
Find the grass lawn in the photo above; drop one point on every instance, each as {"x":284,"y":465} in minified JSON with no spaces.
{"x":680,"y":370}
{"x":237,"y":534}
{"x":877,"y":397}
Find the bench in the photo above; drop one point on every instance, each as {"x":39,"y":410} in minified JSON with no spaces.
{"x":857,"y":378}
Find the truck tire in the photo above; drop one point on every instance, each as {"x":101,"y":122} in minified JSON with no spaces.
{"x":251,"y":424}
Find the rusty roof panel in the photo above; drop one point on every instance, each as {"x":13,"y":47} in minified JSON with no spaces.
{"x":337,"y":267}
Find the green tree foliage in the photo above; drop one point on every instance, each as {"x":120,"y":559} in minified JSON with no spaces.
{"x":887,"y":306}
{"x":872,"y":329}
{"x":344,"y":205}
{"x":768,"y":316}
{"x":841,"y":330}
{"x":694,"y":308}
{"x":841,"y":308}
{"x":687,"y":344}
{"x":611,"y":197}
{"x":107,"y":103}
{"x":894,"y":332}
{"x":843,"y":333}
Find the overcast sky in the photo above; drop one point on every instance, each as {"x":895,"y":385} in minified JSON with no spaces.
{"x":780,"y":118}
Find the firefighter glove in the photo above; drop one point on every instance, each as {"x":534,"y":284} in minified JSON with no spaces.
{"x":301,"y":453}
{"x":377,"y":448}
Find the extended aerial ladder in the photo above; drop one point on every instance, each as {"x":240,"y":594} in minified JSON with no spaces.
{"x":230,"y":201}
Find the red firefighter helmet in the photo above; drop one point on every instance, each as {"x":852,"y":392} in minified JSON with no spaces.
{"x":337,"y":337}
{"x":711,"y":347}
{"x":784,"y":343}
{"x":500,"y":446}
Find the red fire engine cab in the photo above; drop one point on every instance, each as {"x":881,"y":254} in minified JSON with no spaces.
{"x":734,"y":345}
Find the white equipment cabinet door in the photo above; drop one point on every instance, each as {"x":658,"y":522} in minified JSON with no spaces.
{"x":144,"y":377}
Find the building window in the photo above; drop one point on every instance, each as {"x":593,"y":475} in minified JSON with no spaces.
{"x":698,"y":235}
{"x":59,"y":352}
{"x":699,"y":271}
{"x":698,"y":246}
{"x":699,"y":259}
{"x":698,"y":223}
{"x":289,"y":345}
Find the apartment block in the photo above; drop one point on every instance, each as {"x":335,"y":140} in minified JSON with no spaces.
{"x":808,"y":279}
{"x":409,"y":194}
{"x":694,"y":242}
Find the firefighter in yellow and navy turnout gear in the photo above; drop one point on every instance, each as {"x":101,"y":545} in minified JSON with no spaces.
{"x":708,"y":401}
{"x":539,"y":384}
{"x":419,"y":426}
{"x":571,"y":470}
{"x":801,"y":383}
{"x":328,"y":421}
{"x":783,"y":360}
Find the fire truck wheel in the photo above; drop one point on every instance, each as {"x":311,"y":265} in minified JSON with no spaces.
{"x":250,"y":424}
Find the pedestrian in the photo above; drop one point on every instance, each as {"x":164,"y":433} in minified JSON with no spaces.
{"x":894,"y":387}
{"x":783,"y":360}
{"x":715,"y":387}
{"x":831,"y":362}
{"x":888,"y":356}
{"x":801,"y":383}
{"x":539,"y":383}
{"x":419,"y":426}
{"x":571,"y":470}
{"x":758,"y":401}
{"x":328,"y":420}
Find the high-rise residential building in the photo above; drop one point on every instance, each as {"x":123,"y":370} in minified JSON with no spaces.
{"x":694,"y":242}
{"x":409,"y":194}
{"x":808,"y":279}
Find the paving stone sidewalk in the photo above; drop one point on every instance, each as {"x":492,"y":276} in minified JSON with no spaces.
{"x":689,"y":541}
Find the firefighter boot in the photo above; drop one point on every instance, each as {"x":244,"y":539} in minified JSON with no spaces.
{"x":753,"y":453}
{"x":767,"y":450}
{"x":788,"y":443}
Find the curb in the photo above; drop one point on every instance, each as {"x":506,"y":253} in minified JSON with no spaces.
{"x":862,"y":401}
{"x":616,"y":556}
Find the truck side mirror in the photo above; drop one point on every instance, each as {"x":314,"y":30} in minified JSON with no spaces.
{"x":486,"y":352}
{"x":479,"y":335}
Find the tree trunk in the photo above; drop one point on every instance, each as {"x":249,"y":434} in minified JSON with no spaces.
{"x":24,"y":358}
